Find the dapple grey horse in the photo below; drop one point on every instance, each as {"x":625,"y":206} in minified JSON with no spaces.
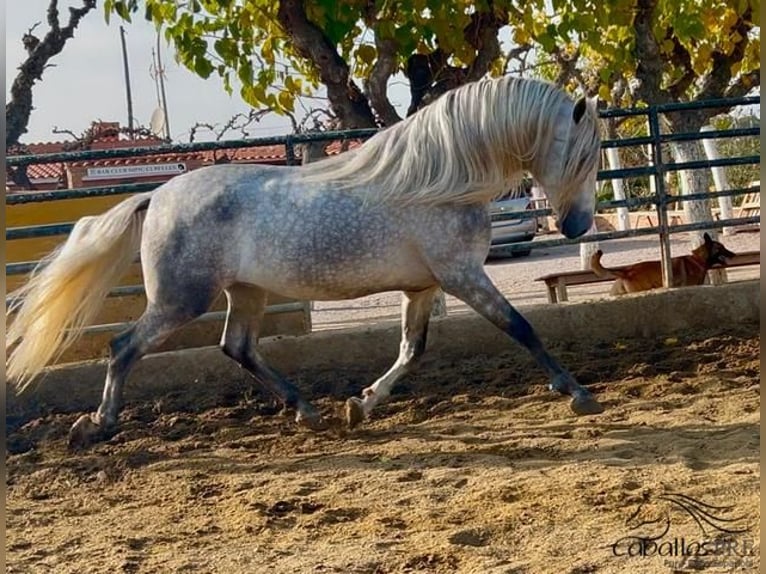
{"x":407,"y":210}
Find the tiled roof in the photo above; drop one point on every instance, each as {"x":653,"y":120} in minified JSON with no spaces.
{"x":45,"y":171}
{"x":139,"y":160}
{"x":258,"y":153}
{"x":271,"y":154}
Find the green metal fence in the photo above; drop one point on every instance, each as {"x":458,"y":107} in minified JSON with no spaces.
{"x":655,"y":169}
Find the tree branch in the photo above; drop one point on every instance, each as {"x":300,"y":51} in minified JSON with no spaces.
{"x":239,"y":122}
{"x":719,"y":78}
{"x":519,"y":53}
{"x":53,"y":16}
{"x":310,"y":42}
{"x":744,"y":84}
{"x":430,"y":75}
{"x":19,"y":108}
{"x":568,"y":71}
{"x":481,"y":34}
{"x":376,"y":86}
{"x":70,"y":133}
{"x":649,"y":68}
{"x":682,"y":60}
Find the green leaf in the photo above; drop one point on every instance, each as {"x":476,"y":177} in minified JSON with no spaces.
{"x":286,"y":101}
{"x":108,"y":8}
{"x":245,"y":71}
{"x":547,"y":41}
{"x":366,"y":53}
{"x":226,"y":48}
{"x":203,"y":67}
{"x":122,"y":10}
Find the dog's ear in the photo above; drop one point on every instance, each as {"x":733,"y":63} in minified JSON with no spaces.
{"x":707,"y":238}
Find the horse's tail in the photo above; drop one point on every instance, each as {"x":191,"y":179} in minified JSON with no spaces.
{"x":66,"y":290}
{"x":600,"y":270}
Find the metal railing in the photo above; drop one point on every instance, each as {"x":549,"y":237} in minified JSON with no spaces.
{"x":656,"y":170}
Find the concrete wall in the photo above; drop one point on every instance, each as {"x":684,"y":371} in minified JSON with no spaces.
{"x":657,"y":314}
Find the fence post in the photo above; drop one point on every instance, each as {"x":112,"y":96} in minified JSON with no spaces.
{"x":290,"y":158}
{"x":661,"y":197}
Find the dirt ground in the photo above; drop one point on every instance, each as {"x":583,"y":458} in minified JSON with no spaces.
{"x":473,"y":466}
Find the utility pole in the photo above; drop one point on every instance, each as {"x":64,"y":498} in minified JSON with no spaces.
{"x":127,"y":81}
{"x":161,"y":74}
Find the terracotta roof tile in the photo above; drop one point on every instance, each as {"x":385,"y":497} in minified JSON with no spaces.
{"x":140,"y":160}
{"x":45,"y":171}
{"x":248,"y":154}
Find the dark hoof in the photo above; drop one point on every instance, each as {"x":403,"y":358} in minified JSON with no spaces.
{"x":354,"y":412}
{"x":313,"y":422}
{"x":84,"y":433}
{"x":586,"y":405}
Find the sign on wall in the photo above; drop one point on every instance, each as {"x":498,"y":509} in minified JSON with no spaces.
{"x":118,"y":171}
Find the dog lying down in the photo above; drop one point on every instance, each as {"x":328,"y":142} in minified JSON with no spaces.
{"x":687,"y":269}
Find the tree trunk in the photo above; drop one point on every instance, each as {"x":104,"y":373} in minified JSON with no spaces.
{"x":721,"y":182}
{"x":693,"y":181}
{"x":696,"y":181}
{"x":347,"y":100}
{"x":623,"y":217}
{"x":312,"y":151}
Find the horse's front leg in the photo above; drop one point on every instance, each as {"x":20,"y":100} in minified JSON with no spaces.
{"x":476,"y":289}
{"x":416,"y":310}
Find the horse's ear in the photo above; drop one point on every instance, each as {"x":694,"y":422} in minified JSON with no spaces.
{"x":707,"y":238}
{"x":579,"y":110}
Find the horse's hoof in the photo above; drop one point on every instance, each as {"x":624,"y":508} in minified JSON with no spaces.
{"x":354,"y":412}
{"x":586,"y":405}
{"x":84,"y":432}
{"x":315,"y":422}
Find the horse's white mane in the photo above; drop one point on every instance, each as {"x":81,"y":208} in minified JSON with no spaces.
{"x":470,"y":145}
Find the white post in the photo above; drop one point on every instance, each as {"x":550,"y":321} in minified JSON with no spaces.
{"x":588,"y":249}
{"x":720,"y":180}
{"x":538,"y":202}
{"x":652,"y":181}
{"x":623,"y":219}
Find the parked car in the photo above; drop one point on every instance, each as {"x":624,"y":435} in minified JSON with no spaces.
{"x":512,"y":230}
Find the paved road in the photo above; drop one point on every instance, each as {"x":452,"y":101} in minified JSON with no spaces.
{"x":516,"y":277}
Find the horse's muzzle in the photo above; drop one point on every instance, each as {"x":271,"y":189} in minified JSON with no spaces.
{"x":576,"y":223}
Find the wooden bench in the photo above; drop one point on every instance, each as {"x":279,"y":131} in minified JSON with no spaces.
{"x":557,"y":283}
{"x":751,"y":205}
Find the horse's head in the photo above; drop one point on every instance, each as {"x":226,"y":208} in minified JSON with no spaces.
{"x":567,"y":170}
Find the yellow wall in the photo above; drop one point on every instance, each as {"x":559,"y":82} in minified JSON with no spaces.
{"x":123,"y":308}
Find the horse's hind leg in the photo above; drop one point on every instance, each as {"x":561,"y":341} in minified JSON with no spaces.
{"x":416,"y":310}
{"x":125,"y":350}
{"x":475,"y":288}
{"x":246,"y":307}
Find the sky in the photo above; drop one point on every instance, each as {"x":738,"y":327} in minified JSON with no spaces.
{"x":87,"y":83}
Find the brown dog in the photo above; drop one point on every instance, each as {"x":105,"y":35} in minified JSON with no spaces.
{"x":687,"y":269}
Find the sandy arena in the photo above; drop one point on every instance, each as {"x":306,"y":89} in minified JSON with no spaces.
{"x":473,"y":466}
